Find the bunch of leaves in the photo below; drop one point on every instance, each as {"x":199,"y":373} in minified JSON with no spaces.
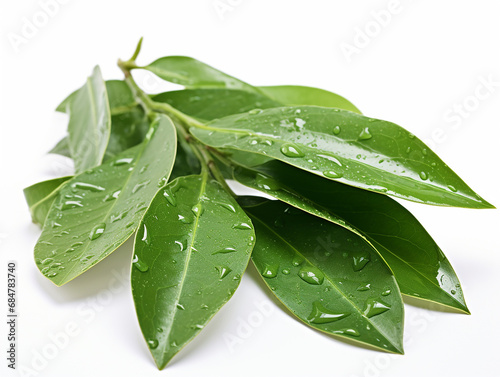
{"x":333,"y":246}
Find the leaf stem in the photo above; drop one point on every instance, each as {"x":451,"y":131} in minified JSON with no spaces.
{"x":182,"y":122}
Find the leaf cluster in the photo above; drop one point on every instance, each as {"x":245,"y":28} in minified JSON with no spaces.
{"x":331,"y":244}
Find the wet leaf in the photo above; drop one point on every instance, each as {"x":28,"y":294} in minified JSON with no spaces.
{"x":40,"y":197}
{"x":191,"y":249}
{"x":420,"y":267}
{"x":96,"y":211}
{"x":209,"y":104}
{"x":294,"y":95}
{"x":192,"y":73}
{"x":328,"y":277}
{"x":340,"y":145}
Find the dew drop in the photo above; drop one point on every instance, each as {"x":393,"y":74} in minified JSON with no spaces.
{"x":365,"y":134}
{"x":452,"y":188}
{"x":333,"y":174}
{"x":311,"y":275}
{"x":227,"y":206}
{"x":225,"y":250}
{"x":170,"y":198}
{"x":423,"y":175}
{"x":181,"y":245}
{"x":336,"y":130}
{"x":453,"y":291}
{"x":350,"y":332}
{"x":270,"y":271}
{"x":70,"y":204}
{"x":47,"y":261}
{"x":297,"y":260}
{"x":97,"y":231}
{"x":286,"y":271}
{"x":197,"y":209}
{"x":139,"y":186}
{"x":123,"y":161}
{"x":387,"y":292}
{"x":51,"y":274}
{"x":375,"y":307}
{"x":255,"y":112}
{"x":223,"y":271}
{"x":359,"y":261}
{"x":364,"y":287}
{"x":153,"y":343}
{"x":87,"y":186}
{"x":118,"y":217}
{"x":291,"y":150}
{"x":320,"y":314}
{"x":242,"y":226}
{"x":180,"y":306}
{"x":185,"y":219}
{"x":266,"y":183}
{"x":139,"y":264}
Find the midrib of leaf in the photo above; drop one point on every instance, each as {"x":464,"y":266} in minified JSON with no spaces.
{"x":186,"y":266}
{"x":93,"y":100}
{"x":281,"y":141}
{"x":327,"y":277}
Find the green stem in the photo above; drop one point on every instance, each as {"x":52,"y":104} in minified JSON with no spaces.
{"x":181,"y":122}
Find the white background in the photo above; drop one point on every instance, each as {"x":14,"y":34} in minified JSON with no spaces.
{"x":427,"y":57}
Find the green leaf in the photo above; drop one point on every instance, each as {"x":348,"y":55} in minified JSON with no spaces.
{"x":128,"y":128}
{"x":119,"y":95}
{"x":209,"y":104}
{"x":129,"y":123}
{"x":328,"y":277}
{"x":340,"y":145}
{"x":40,"y":197}
{"x":89,"y":123}
{"x":294,"y":95}
{"x":96,"y":211}
{"x":191,"y":249}
{"x":62,"y":148}
{"x":420,"y":267}
{"x":192,"y":73}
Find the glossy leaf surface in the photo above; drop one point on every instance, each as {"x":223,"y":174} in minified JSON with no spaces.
{"x":340,"y":145}
{"x":209,"y":104}
{"x":192,"y":73}
{"x":40,"y":197}
{"x":119,"y":96}
{"x":89,"y":123}
{"x":191,"y":249}
{"x":295,"y":95}
{"x":96,"y":211}
{"x":420,"y":267}
{"x":329,"y":278}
